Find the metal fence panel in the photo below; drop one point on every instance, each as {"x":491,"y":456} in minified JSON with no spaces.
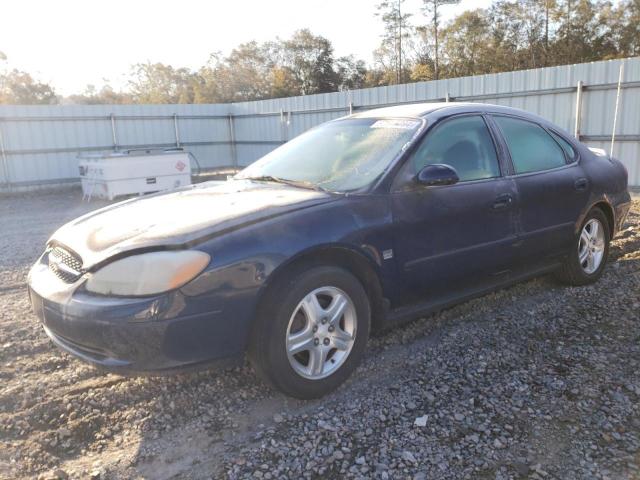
{"x":39,"y":144}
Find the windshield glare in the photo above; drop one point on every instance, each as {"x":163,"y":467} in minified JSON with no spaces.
{"x":338,"y":156}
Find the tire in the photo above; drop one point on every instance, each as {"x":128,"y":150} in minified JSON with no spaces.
{"x":579,"y":271}
{"x":289,"y":319}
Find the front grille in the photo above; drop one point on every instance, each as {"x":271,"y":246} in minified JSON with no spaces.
{"x":66,"y":265}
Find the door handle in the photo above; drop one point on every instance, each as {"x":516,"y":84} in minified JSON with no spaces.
{"x":581,"y":184}
{"x":502,"y":201}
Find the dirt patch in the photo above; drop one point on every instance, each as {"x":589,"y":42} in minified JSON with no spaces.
{"x":535,"y":381}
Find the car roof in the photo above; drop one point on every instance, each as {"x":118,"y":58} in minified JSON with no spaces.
{"x":418,"y":110}
{"x":407,"y":110}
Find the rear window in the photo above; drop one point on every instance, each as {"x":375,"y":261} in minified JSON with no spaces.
{"x":566,"y":146}
{"x":532,"y":149}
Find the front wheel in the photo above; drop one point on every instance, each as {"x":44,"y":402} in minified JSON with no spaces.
{"x":590,"y":251}
{"x":312,"y":331}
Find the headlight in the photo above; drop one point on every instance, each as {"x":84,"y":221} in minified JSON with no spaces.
{"x":148,"y":273}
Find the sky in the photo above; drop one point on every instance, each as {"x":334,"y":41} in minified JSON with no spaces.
{"x":73,"y":43}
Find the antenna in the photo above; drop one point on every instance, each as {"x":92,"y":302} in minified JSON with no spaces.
{"x":615,"y":115}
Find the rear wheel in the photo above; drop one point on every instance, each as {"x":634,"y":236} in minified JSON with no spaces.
{"x":589,"y":254}
{"x":311,"y":332}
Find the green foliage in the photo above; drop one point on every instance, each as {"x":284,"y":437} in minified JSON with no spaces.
{"x":432,"y":9}
{"x":396,"y":38}
{"x":105,"y":96}
{"x":509,"y":35}
{"x":522,"y":34}
{"x":159,"y":83}
{"x":18,"y":87}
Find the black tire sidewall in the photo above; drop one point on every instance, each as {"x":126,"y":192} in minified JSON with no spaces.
{"x":281,"y":303}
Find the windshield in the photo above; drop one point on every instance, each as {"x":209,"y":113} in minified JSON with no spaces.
{"x":337,"y":156}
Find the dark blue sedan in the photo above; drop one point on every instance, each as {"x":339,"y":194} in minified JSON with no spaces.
{"x":358,"y":224}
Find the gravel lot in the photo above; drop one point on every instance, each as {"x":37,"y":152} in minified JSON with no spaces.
{"x":535,"y":381}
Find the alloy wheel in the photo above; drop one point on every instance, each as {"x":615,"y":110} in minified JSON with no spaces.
{"x":591,"y":246}
{"x":321,"y":332}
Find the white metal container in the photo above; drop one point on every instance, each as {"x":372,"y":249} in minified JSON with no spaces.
{"x":133,"y":172}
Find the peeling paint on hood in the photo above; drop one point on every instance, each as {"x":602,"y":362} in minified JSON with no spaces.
{"x":180,"y":217}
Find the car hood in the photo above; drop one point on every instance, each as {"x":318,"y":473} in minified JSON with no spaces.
{"x":179,"y":218}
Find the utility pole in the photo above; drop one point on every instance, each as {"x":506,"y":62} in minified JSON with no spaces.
{"x":399,"y":72}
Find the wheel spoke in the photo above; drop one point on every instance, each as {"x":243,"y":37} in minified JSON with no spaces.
{"x":590,"y":262}
{"x":317,"y":357}
{"x":300,"y":341}
{"x":312,"y":309}
{"x":594,"y":230}
{"x":584,"y":237}
{"x":336,"y":309}
{"x":341,"y":339}
{"x":584,"y":254}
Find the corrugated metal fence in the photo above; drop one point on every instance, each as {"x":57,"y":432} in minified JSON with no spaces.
{"x":40,"y":144}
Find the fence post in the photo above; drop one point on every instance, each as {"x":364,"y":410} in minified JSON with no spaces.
{"x":578,"y":123}
{"x":232,"y":142}
{"x":176,"y":129}
{"x":350,"y":108}
{"x":615,"y":114}
{"x":5,"y":163}
{"x":113,"y":132}
{"x":283,"y":126}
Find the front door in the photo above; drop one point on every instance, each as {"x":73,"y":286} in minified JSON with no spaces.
{"x":451,"y":238}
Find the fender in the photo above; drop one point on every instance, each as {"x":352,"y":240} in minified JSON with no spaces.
{"x":340,"y":253}
{"x":610,"y":214}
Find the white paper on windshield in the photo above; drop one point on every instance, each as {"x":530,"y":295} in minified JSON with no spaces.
{"x":401,"y":124}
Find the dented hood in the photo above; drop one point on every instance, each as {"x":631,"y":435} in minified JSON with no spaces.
{"x":180,"y":217}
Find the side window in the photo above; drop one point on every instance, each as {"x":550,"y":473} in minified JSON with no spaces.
{"x":572,"y":156}
{"x":463,"y":143}
{"x":532,"y":148}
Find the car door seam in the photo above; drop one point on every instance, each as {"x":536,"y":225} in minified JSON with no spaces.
{"x":418,"y":261}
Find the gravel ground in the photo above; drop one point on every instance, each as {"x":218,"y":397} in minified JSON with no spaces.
{"x":535,"y":381}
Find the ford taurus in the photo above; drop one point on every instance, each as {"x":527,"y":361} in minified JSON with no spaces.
{"x":355,"y":225}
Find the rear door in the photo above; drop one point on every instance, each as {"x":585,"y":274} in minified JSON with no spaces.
{"x":452,"y":238}
{"x":552,"y":189}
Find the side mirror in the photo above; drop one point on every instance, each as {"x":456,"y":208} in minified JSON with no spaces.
{"x":437,"y":174}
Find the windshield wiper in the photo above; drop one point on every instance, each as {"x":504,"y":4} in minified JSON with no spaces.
{"x":286,"y":181}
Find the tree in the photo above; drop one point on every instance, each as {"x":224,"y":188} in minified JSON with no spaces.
{"x":160,"y":83}
{"x":385,"y":62}
{"x":351,"y":73}
{"x":105,"y":96}
{"x":432,"y":8}
{"x":586,"y":31}
{"x":396,"y":33}
{"x":421,"y":72}
{"x":467,"y":44}
{"x":17,"y":87}
{"x":518,"y":34}
{"x":310,"y":59}
{"x":628,"y":13}
{"x":509,"y":35}
{"x":243,"y":75}
{"x":283,"y":82}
